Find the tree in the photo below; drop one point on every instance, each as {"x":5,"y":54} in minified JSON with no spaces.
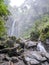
{"x":3,"y":13}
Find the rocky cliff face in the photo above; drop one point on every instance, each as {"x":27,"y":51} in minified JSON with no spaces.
{"x":21,"y":52}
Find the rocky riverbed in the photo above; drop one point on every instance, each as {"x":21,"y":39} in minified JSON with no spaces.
{"x":21,"y":52}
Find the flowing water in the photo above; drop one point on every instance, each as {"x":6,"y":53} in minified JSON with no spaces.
{"x":12,"y":30}
{"x":40,"y":47}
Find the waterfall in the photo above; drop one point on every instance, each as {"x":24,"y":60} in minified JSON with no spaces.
{"x":40,"y":47}
{"x":12,"y":30}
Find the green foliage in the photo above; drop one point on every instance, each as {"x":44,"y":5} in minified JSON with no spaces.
{"x":3,"y":9}
{"x":41,"y":29}
{"x":34,"y":35}
{"x":3,"y":13}
{"x":2,"y":27}
{"x":45,"y":33}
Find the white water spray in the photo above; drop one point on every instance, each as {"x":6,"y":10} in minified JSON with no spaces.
{"x":40,"y":47}
{"x":12,"y":31}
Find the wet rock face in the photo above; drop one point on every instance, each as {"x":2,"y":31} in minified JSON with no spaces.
{"x":22,"y":52}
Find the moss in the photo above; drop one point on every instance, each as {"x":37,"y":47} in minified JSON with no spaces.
{"x":41,"y":29}
{"x":34,"y":35}
{"x":45,"y":33}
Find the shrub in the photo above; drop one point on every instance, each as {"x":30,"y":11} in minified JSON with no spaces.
{"x":34,"y":35}
{"x":45,"y":33}
{"x":41,"y":29}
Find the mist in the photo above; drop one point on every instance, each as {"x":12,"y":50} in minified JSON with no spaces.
{"x":25,"y":15}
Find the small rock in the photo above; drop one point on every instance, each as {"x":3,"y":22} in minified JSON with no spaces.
{"x":31,"y":61}
{"x":17,"y":45}
{"x":30,"y":44}
{"x":6,"y":58}
{"x":14,"y":59}
{"x":5,"y":63}
{"x":47,"y":41}
{"x":19,"y":63}
{"x":1,"y":57}
{"x":34,"y":62}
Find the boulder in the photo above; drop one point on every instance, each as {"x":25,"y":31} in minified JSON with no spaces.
{"x":20,"y":51}
{"x":19,"y":63}
{"x":9,"y":43}
{"x":38,"y":56}
{"x":14,"y":59}
{"x":13,"y":38}
{"x":47,"y":41}
{"x":22,"y":42}
{"x":17,"y":45}
{"x":45,"y":63}
{"x":10,"y":51}
{"x":6,"y":58}
{"x":34,"y":62}
{"x":30,"y":61}
{"x":46,"y":55}
{"x":33,"y":58}
{"x":30,"y":44}
{"x":7,"y":63}
{"x":1,"y":57}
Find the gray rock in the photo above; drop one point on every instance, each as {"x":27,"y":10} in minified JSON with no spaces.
{"x":9,"y":43}
{"x":6,"y":58}
{"x":16,"y":45}
{"x":47,"y":41}
{"x":34,"y":55}
{"x":6,"y":50}
{"x":31,"y":61}
{"x":38,"y":56}
{"x":45,"y":55}
{"x":30,"y":44}
{"x":14,"y":59}
{"x":34,"y":62}
{"x":5,"y":63}
{"x":1,"y":57}
{"x":45,"y":63}
{"x":19,"y":63}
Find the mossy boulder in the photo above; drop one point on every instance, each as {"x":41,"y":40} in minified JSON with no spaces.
{"x":13,"y":38}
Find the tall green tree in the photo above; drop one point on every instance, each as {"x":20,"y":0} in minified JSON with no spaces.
{"x":3,"y":13}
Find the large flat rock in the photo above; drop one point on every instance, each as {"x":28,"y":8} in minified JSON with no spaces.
{"x":33,"y":58}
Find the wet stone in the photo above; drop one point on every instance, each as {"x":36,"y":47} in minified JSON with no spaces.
{"x":19,"y":63}
{"x":30,"y":44}
{"x":31,"y":61}
{"x":5,"y":63}
{"x":14,"y":59}
{"x":45,"y":63}
{"x":34,"y":55}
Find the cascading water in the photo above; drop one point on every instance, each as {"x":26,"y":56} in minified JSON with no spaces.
{"x":12,"y":30}
{"x":40,"y":47}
